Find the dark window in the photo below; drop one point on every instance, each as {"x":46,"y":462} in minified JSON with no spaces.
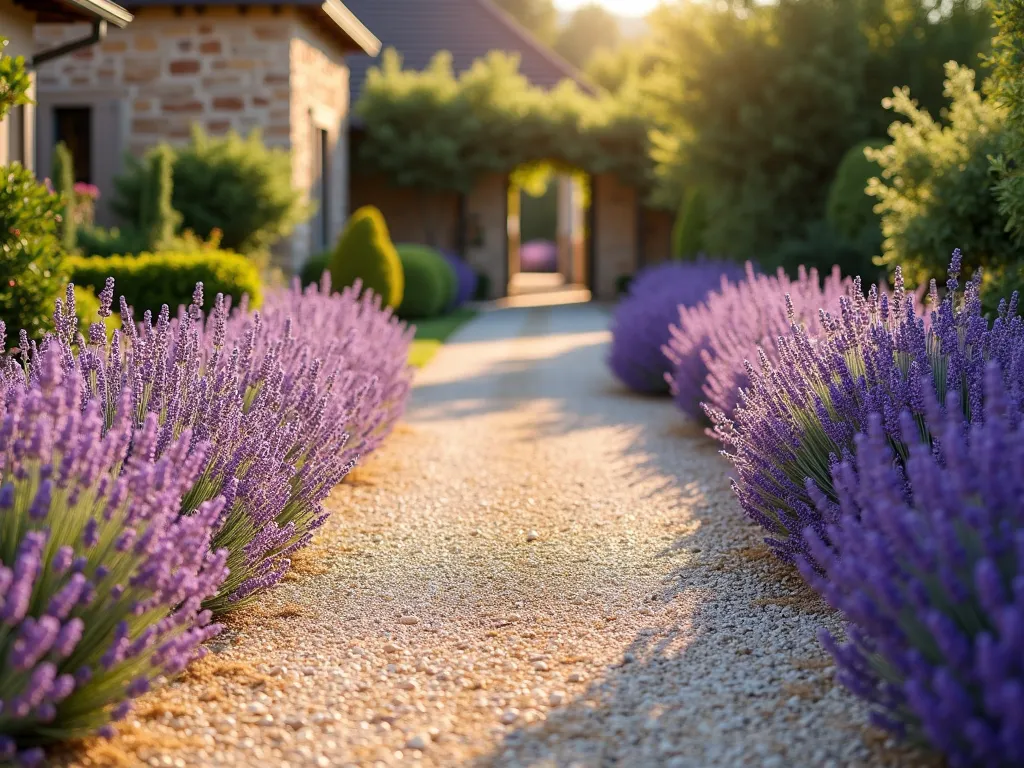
{"x":73,"y":126}
{"x":16,"y":134}
{"x":321,"y":189}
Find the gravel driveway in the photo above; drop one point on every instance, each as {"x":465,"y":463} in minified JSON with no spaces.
{"x":537,"y":570}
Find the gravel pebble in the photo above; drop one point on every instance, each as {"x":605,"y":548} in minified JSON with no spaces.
{"x":516,"y":427}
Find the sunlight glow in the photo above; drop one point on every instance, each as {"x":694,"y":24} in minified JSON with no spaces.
{"x":621,"y":7}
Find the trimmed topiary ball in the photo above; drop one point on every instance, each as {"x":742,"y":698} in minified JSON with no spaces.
{"x":712,"y":341}
{"x":640,"y":326}
{"x":430,"y":283}
{"x":365,"y":252}
{"x":799,"y":417}
{"x":465,"y":277}
{"x":927,"y":565}
{"x":101,"y":578}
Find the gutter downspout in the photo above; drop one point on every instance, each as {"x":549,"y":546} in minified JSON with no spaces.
{"x":98,"y":34}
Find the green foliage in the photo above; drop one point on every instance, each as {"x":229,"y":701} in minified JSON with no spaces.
{"x":538,"y":16}
{"x":365,"y":252}
{"x":849,"y":209}
{"x":622,"y":68}
{"x":64,"y":185}
{"x":430,"y":282}
{"x":432,"y":131}
{"x":909,"y":43}
{"x":690,"y":225}
{"x":538,"y":214}
{"x":14,"y":81}
{"x":1008,"y":91}
{"x":936,"y":185}
{"x":150,"y":280}
{"x":589,"y":29}
{"x":819,"y":245}
{"x":158,"y":221}
{"x":31,"y":257}
{"x":236,"y":185}
{"x":314,"y":268}
{"x":757,"y":102}
{"x":761,"y":106}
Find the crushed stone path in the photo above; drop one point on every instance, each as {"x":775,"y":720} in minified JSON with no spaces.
{"x":536,"y":570}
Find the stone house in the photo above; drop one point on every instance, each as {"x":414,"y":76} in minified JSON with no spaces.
{"x":275,"y":66}
{"x":618,"y":235}
{"x":17,"y":20}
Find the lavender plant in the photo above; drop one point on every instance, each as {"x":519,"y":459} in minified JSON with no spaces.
{"x":927,"y":565}
{"x":712,"y":340}
{"x":101,"y":579}
{"x":277,"y":407}
{"x":640,"y":327}
{"x":799,"y":416}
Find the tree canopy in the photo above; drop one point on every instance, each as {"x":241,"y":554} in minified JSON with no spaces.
{"x":590,"y":28}
{"x":434,"y":130}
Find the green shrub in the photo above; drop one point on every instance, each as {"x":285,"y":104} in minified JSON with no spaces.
{"x":64,"y":185}
{"x":149,"y":280}
{"x":314,"y":268}
{"x":157,"y":224}
{"x":820,"y":246}
{"x":430,"y":282}
{"x":15,"y":82}
{"x":237,"y":185}
{"x":936,"y":186}
{"x":31,"y":257}
{"x":365,"y":252}
{"x":850,"y":210}
{"x":690,"y":225}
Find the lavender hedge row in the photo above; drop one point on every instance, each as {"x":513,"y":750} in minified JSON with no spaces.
{"x":711,"y":341}
{"x":223,"y":433}
{"x":880,"y":446}
{"x":640,"y":327}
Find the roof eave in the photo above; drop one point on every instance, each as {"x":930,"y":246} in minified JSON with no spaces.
{"x":104,"y":10}
{"x":351,"y":26}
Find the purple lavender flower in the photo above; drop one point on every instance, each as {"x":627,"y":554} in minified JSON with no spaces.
{"x":713,"y":339}
{"x":926,"y":561}
{"x":74,"y":616}
{"x":799,"y":416}
{"x":287,"y":399}
{"x":640,"y":327}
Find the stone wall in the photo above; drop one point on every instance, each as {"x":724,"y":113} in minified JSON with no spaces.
{"x":319,"y":102}
{"x":16,"y":134}
{"x":221,"y":69}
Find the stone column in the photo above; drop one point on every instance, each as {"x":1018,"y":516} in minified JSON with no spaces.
{"x":614,"y":234}
{"x":487,"y":230}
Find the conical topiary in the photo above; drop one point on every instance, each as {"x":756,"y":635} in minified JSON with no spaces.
{"x":365,"y":252}
{"x":64,"y":185}
{"x":850,"y":210}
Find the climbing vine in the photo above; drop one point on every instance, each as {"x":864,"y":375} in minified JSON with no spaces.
{"x":437,"y":131}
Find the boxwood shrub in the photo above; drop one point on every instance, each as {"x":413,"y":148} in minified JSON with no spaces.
{"x":150,"y":280}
